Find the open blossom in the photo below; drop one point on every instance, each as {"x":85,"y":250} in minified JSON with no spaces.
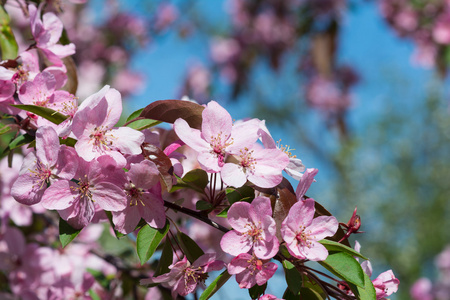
{"x":254,"y":228}
{"x":141,"y":202}
{"x":217,"y":138}
{"x":96,"y":182}
{"x":250,"y":270}
{"x":51,"y":161}
{"x":295,"y":165}
{"x":301,"y":231}
{"x":385,"y":284}
{"x":183,"y":277}
{"x":305,"y":182}
{"x":262,"y":167}
{"x":47,"y":32}
{"x":93,"y":127}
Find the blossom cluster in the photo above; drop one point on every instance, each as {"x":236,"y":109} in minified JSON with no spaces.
{"x":426,"y":23}
{"x":80,"y":164}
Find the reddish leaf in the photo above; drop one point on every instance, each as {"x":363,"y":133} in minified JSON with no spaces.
{"x":170,"y":110}
{"x":162,"y":161}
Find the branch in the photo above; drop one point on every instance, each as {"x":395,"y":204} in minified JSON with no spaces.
{"x":196,"y":215}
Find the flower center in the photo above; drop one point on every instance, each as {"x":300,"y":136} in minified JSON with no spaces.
{"x":255,"y":265}
{"x":100,"y":138}
{"x":194,"y":276}
{"x":254,"y":232}
{"x":83,"y":188}
{"x":247,"y":161}
{"x":135,"y":194}
{"x":42,"y":174}
{"x":304,"y":237}
{"x":218,"y":145}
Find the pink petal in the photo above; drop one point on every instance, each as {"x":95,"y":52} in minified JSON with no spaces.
{"x":153,"y":212}
{"x":317,"y":252}
{"x":266,"y":249}
{"x":216,"y":120}
{"x":144,"y":175}
{"x":301,"y":214}
{"x":209,"y":162}
{"x":128,"y":140}
{"x":305,"y":182}
{"x":28,"y":189}
{"x":266,"y":273}
{"x":233,"y":175}
{"x":60,"y":195}
{"x":109,"y":196}
{"x":244,"y":135}
{"x":125,"y":221}
{"x":47,"y":145}
{"x":238,"y":216}
{"x":234,"y":243}
{"x":323,"y":226}
{"x":239,"y":264}
{"x":190,"y":136}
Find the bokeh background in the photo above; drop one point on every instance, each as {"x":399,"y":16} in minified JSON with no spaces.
{"x":357,"y":89}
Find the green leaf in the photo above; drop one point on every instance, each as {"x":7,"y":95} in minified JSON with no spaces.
{"x":94,"y":295}
{"x":8,"y":42}
{"x":20,"y":141}
{"x":333,"y":246}
{"x":68,"y":141}
{"x":366,"y":293}
{"x":4,"y":128}
{"x":45,"y":112}
{"x":215,"y":285}
{"x":165,"y":260}
{"x":66,"y":232}
{"x":203,"y":205}
{"x":196,"y":180}
{"x":148,"y":239}
{"x":100,"y":278}
{"x":170,"y":110}
{"x":134,"y":115}
{"x":235,"y":195}
{"x":189,"y":247}
{"x":310,"y":294}
{"x":345,"y":266}
{"x":293,"y":277}
{"x":143,"y":124}
{"x":288,"y":295}
{"x":257,"y":290}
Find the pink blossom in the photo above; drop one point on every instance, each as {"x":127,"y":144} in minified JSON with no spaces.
{"x":51,"y":162}
{"x":141,"y":202}
{"x":217,"y":138}
{"x":301,"y":231}
{"x":268,"y":297}
{"x":254,"y":228}
{"x":250,"y":270}
{"x":97,"y":182}
{"x":47,"y":32}
{"x":295,"y":166}
{"x":385,"y":284}
{"x":262,"y":167}
{"x":93,"y":127}
{"x":183,"y":277}
{"x":441,"y":29}
{"x":422,"y":290}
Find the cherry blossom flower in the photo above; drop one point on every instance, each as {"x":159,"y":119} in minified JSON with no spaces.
{"x":268,"y":297}
{"x":295,"y":166}
{"x":97,"y":182}
{"x":93,"y":127}
{"x":301,"y":231}
{"x":254,"y":228}
{"x":385,"y":284}
{"x":183,"y":277}
{"x":250,"y":270}
{"x":262,"y":167}
{"x":141,"y":202}
{"x":217,"y":138}
{"x":51,"y":161}
{"x":47,"y":32}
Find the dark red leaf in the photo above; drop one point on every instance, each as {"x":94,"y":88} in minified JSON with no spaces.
{"x":170,"y":110}
{"x":162,"y":161}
